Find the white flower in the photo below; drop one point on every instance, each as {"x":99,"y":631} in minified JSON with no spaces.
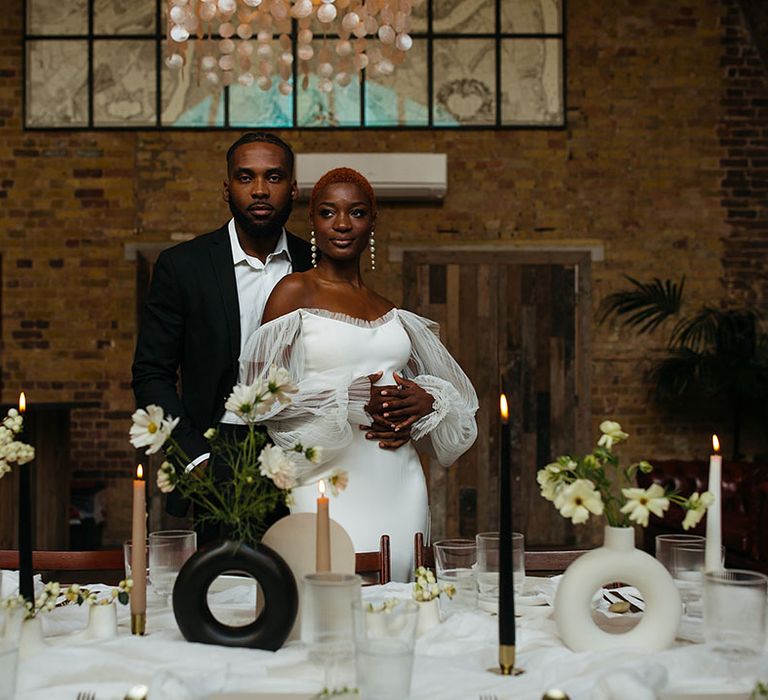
{"x":210,"y":433}
{"x":280,"y":384}
{"x":577,"y":500}
{"x":165,"y":477}
{"x":244,"y":400}
{"x":25,"y":453}
{"x":4,"y":468}
{"x":696,"y":507}
{"x":611,"y":434}
{"x":315,"y":456}
{"x":550,"y":480}
{"x":641,"y":503}
{"x":147,"y":429}
{"x":278,"y":466}
{"x":6,"y":436}
{"x":338,"y":481}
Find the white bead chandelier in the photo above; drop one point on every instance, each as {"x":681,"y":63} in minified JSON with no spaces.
{"x":249,"y":41}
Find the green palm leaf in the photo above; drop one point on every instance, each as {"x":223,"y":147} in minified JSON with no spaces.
{"x":646,"y":306}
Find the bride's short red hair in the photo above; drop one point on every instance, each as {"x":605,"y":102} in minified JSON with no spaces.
{"x":347,"y":175}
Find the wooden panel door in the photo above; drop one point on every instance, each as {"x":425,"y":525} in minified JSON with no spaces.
{"x":523,"y":317}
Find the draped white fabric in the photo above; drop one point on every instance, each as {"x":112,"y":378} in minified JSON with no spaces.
{"x":332,"y":400}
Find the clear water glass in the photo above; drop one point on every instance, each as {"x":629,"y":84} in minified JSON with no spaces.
{"x":735,"y":612}
{"x":10,"y":631}
{"x":128,"y":554}
{"x":326,"y":621}
{"x":455,"y":564}
{"x":487,"y":571}
{"x":665,"y":545}
{"x":384,"y":641}
{"x":168,"y":551}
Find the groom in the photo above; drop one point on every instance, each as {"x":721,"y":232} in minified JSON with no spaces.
{"x":208,"y":294}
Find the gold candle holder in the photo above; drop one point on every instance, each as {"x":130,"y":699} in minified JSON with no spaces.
{"x":138,"y":623}
{"x":506,"y":665}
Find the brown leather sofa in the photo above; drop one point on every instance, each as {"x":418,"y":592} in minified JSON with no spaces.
{"x":744,"y":507}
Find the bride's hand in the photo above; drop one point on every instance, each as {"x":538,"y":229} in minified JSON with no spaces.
{"x":385,"y":434}
{"x":404,"y":404}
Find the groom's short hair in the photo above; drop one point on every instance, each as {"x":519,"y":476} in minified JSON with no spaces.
{"x":262,"y":137}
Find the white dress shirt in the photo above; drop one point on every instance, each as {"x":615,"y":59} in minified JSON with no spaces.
{"x":255,"y":282}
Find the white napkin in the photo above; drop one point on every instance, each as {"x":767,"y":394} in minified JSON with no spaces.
{"x":9,"y":583}
{"x":643,"y":683}
{"x":168,"y":684}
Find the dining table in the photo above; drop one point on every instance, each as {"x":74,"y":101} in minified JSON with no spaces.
{"x":454,"y":660}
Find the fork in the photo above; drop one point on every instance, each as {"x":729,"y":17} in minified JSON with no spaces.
{"x":486,"y":696}
{"x":86,"y":695}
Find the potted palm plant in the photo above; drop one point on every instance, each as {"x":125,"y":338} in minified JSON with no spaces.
{"x":716,"y":354}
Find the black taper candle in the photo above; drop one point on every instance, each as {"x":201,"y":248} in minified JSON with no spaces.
{"x":26,"y":583}
{"x":506,"y":575}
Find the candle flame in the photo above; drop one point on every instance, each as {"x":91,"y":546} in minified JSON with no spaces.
{"x":139,"y":472}
{"x":22,"y":402}
{"x":321,"y":488}
{"x":504,"y":408}
{"x":715,"y":443}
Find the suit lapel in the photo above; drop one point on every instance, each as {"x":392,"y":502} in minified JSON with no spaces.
{"x":221,"y":258}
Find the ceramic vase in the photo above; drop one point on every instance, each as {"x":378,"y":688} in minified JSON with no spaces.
{"x":429,"y":616}
{"x":281,"y":598}
{"x":31,"y":640}
{"x":102,"y":621}
{"x":617,"y":560}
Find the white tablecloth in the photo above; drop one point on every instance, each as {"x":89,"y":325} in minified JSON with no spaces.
{"x":450,"y":663}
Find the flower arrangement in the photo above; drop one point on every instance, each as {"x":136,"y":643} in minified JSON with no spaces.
{"x":426,"y":588}
{"x":261,"y":475}
{"x":13,"y":451}
{"x":49,"y":597}
{"x":596,"y":484}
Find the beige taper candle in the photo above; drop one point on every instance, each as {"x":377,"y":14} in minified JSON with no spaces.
{"x":323,"y":532}
{"x":139,"y":555}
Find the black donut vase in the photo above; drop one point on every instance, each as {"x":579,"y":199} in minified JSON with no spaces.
{"x":281,"y":598}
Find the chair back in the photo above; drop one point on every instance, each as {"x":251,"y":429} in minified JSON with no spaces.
{"x":375,"y":567}
{"x":538,"y":562}
{"x":52,"y":562}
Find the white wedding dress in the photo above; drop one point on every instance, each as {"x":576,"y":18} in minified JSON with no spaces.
{"x":329,"y":356}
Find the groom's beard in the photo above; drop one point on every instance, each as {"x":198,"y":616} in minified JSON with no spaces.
{"x":269,"y":229}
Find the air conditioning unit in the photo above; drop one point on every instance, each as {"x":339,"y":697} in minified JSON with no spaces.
{"x":394,"y":176}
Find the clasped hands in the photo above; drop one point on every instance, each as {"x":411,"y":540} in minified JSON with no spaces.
{"x":394,"y":409}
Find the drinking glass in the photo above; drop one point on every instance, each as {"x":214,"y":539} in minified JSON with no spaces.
{"x":128,"y":554}
{"x":734,"y":612}
{"x":455,"y":563}
{"x":168,"y":550}
{"x":488,"y":567}
{"x":385,"y":634}
{"x":665,"y":545}
{"x":687,"y":567}
{"x":10,"y":631}
{"x":326,"y":621}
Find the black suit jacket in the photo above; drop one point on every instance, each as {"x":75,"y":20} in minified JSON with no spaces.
{"x":190,"y":330}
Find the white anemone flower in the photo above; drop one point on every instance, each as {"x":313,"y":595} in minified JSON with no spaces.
{"x":642,"y":502}
{"x":165,"y":480}
{"x":611,"y":434}
{"x":147,"y":429}
{"x":550,"y":480}
{"x":577,"y":500}
{"x":277,"y":465}
{"x":244,"y":399}
{"x":338,"y":481}
{"x":696,"y":507}
{"x":280,"y":384}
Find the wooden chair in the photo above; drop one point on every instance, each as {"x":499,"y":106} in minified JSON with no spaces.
{"x":107,"y":561}
{"x":536,"y":562}
{"x":375,"y":567}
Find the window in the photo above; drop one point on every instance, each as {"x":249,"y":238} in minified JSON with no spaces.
{"x":95,"y":64}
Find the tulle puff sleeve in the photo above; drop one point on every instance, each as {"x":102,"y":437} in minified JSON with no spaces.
{"x":320,"y":413}
{"x":449,"y":431}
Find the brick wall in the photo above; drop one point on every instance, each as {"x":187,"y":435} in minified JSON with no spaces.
{"x":663,"y":162}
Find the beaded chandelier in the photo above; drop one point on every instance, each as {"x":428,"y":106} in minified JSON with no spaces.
{"x":251,"y":41}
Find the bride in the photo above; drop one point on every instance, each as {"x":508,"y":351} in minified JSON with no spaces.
{"x":340,"y":341}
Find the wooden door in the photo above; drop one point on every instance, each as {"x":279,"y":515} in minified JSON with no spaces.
{"x":524,"y":317}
